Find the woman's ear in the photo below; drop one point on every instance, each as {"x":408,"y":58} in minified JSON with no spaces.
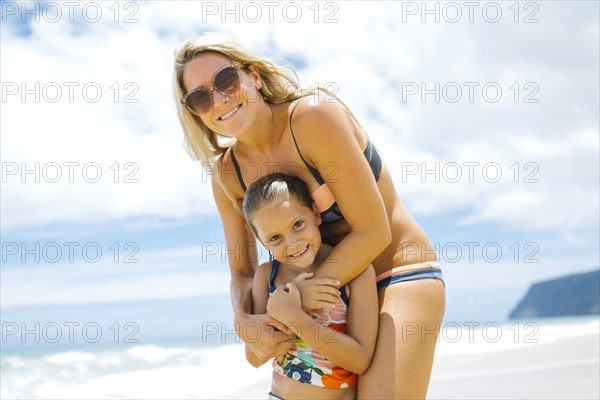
{"x":255,"y":75}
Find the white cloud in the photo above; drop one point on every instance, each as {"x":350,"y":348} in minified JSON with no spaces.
{"x":369,"y":53}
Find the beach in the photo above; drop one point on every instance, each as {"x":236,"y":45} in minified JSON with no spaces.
{"x":565,"y":368}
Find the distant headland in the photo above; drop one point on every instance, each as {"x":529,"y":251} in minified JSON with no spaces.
{"x":576,"y":294}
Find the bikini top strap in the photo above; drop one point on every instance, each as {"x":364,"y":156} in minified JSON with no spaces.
{"x":274,"y":269}
{"x":374,"y":159}
{"x":344,"y":296}
{"x":237,"y":169}
{"x":312,"y":170}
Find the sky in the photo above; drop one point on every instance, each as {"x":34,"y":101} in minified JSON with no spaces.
{"x":486,"y":114}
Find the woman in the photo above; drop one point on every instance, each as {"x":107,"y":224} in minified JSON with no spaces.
{"x":246,"y":118}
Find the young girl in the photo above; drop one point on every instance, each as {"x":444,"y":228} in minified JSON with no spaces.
{"x":330,"y":348}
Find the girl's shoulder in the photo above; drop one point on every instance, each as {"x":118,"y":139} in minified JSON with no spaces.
{"x":263,"y":273}
{"x":265,"y":268}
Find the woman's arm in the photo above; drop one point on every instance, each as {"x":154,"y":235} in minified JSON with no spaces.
{"x":242,"y":264}
{"x":352,"y":350}
{"x":333,"y":232}
{"x":260,"y":297}
{"x":326,"y":136}
{"x":243,"y":259}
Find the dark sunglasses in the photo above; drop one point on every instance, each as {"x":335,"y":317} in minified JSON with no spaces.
{"x":227,"y":81}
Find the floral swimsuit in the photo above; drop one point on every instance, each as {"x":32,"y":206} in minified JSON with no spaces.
{"x":303,"y":363}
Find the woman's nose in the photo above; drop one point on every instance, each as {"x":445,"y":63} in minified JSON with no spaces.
{"x":218,"y":98}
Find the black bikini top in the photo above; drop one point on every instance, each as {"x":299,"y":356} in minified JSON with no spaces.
{"x":322,"y":196}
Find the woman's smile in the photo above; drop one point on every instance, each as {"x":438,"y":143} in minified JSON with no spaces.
{"x":230,"y":113}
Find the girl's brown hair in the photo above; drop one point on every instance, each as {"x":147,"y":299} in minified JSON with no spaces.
{"x":271,"y":188}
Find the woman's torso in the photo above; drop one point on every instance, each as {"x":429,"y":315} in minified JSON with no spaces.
{"x":409,"y":243}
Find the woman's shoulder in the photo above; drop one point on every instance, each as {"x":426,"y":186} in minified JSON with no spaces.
{"x":317,"y":106}
{"x":320,"y":119}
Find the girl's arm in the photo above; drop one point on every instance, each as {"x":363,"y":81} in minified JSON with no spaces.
{"x":326,"y":136}
{"x":352,"y":350}
{"x":243,"y":259}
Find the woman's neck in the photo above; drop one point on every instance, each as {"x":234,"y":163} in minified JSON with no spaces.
{"x":264,"y":135}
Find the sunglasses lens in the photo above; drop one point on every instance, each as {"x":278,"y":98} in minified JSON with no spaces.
{"x":200,"y":101}
{"x":227,"y":81}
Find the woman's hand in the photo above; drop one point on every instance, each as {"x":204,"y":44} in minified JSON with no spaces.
{"x":265,"y":336}
{"x":317,"y":292}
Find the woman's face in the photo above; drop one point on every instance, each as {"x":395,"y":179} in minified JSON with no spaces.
{"x":230,"y":114}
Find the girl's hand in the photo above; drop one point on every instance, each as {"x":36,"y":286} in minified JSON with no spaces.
{"x":317,"y":292}
{"x":284,"y":303}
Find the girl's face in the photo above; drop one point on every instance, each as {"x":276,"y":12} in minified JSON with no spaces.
{"x":230,"y":113}
{"x":290,"y":231}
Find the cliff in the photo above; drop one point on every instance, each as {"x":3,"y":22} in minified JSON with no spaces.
{"x":577,"y":294}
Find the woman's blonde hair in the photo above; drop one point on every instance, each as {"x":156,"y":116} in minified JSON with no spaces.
{"x":202,"y":143}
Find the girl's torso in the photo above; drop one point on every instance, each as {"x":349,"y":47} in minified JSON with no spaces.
{"x":298,"y":390}
{"x":303,"y":363}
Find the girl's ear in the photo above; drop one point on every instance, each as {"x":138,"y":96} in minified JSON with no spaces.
{"x":317,"y":214}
